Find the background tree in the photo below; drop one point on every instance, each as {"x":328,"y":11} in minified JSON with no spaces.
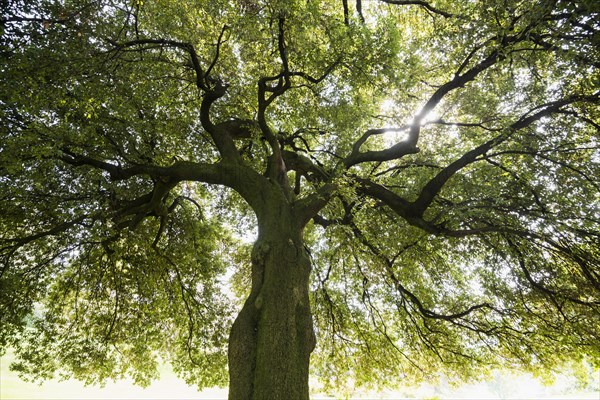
{"x":421,"y":177}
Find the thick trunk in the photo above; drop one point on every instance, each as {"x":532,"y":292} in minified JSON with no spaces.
{"x":272,"y":337}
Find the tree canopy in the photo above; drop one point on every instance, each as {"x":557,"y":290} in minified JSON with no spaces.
{"x":441,"y":161}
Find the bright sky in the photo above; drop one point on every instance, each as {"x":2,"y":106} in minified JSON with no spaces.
{"x":169,"y":387}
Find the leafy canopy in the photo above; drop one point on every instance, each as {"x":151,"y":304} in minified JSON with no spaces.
{"x":454,"y":147}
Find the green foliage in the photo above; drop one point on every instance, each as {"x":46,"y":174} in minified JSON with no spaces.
{"x":478,"y":250}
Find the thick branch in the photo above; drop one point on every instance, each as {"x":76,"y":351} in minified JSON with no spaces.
{"x":398,"y":150}
{"x":244,"y":180}
{"x":435,"y":185}
{"x":404,"y":209}
{"x":220,"y":136}
{"x":346,"y":12}
{"x":409,"y":146}
{"x":178,"y":171}
{"x":307,"y":208}
{"x":213,"y":88}
{"x":151,"y":204}
{"x":304,"y":166}
{"x":276,"y":169}
{"x":399,"y":205}
{"x":457,"y":82}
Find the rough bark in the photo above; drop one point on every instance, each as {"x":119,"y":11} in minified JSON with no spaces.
{"x":272,"y":337}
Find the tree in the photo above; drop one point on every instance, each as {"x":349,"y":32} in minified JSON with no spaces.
{"x":423,"y":178}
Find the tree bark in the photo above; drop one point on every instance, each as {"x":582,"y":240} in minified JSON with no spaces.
{"x":272,"y":338}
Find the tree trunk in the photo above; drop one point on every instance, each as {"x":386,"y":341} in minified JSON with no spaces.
{"x":272,"y":337}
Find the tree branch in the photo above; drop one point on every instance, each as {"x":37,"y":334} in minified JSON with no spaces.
{"x":398,"y":285}
{"x":435,"y":185}
{"x":45,"y":20}
{"x":409,"y":146}
{"x":419,"y":3}
{"x":308,"y":207}
{"x":359,"y":11}
{"x":346,"y":12}
{"x":178,"y":171}
{"x":187,"y":47}
{"x":395,"y":152}
{"x":538,"y":286}
{"x":216,"y":58}
{"x":219,"y":134}
{"x":313,"y":80}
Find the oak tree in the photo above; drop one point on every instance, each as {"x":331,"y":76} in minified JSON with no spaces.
{"x":422,"y":179}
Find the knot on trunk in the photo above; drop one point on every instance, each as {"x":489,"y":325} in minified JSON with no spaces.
{"x":259,"y":253}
